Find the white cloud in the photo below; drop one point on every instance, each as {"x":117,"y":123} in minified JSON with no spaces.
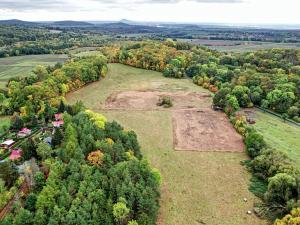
{"x":218,"y":11}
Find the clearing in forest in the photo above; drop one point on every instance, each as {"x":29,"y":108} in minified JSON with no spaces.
{"x":197,"y":187}
{"x":21,"y":66}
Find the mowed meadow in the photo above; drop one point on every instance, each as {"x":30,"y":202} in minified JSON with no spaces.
{"x":272,"y":128}
{"x":198,"y":187}
{"x":21,"y":66}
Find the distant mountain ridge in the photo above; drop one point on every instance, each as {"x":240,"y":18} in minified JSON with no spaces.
{"x":127,"y":23}
{"x":70,"y":23}
{"x":17,"y":22}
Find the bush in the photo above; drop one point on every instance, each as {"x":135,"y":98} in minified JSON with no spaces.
{"x":165,"y":101}
{"x":254,"y":143}
{"x":281,"y":189}
{"x":271,"y":162}
{"x":291,"y":219}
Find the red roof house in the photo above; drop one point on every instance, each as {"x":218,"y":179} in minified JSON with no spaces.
{"x":58,"y":123}
{"x":58,"y":116}
{"x":15,"y":154}
{"x":24,"y":132}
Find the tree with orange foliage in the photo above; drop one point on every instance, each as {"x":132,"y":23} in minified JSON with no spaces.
{"x":95,"y":158}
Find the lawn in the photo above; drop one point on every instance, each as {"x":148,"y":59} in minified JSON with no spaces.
{"x":23,"y":65}
{"x":4,"y":121}
{"x":279,"y":135}
{"x":198,"y":187}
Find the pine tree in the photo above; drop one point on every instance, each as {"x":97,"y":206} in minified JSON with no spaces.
{"x":57,"y":138}
{"x":62,"y":107}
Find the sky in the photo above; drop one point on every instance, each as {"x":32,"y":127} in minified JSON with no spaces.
{"x":187,"y":11}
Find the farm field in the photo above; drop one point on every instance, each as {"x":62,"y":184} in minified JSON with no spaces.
{"x":198,"y":187}
{"x":273,"y":129}
{"x":23,"y":65}
{"x":240,"y":46}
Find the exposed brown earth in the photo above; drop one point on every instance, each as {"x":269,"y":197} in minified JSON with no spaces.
{"x":205,"y":130}
{"x":196,"y":127}
{"x":147,"y":100}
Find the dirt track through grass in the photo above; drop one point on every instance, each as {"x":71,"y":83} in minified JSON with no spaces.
{"x":198,"y":187}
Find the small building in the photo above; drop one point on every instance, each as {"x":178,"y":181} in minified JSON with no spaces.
{"x":58,"y":123}
{"x":58,"y":116}
{"x":8,"y":143}
{"x":24,"y":132}
{"x":15,"y":154}
{"x":48,"y":140}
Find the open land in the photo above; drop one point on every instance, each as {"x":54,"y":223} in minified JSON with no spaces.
{"x":272,"y":128}
{"x":198,"y":187}
{"x":21,"y":66}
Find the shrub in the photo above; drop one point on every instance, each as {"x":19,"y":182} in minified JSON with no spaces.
{"x":271,"y":162}
{"x":281,"y":189}
{"x":231,"y":105}
{"x":254,"y":143}
{"x":220,"y":98}
{"x":291,"y":219}
{"x":165,"y":101}
{"x":293,"y":112}
{"x":120,"y":211}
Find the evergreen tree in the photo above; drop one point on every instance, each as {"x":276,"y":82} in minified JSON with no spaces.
{"x":57,"y":138}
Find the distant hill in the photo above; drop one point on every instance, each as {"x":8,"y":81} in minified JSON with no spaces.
{"x":70,"y":23}
{"x":18,"y":23}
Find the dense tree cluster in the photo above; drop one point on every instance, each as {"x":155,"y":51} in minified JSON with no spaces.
{"x":96,"y":175}
{"x":18,"y":40}
{"x":35,"y":96}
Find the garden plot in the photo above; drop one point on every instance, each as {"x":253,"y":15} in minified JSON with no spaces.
{"x":204,"y":130}
{"x":147,"y":100}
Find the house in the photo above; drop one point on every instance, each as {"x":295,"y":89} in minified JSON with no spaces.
{"x":24,"y":132}
{"x":58,"y":116}
{"x":8,"y":143}
{"x":15,"y":154}
{"x":58,"y":123}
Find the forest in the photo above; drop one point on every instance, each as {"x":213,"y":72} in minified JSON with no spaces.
{"x":79,"y":168}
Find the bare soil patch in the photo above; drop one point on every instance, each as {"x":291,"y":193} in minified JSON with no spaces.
{"x":147,"y":100}
{"x":205,"y":130}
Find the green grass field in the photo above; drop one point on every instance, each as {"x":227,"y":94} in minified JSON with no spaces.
{"x":240,"y":46}
{"x":279,"y":135}
{"x":23,"y":65}
{"x":4,"y":121}
{"x":198,"y":187}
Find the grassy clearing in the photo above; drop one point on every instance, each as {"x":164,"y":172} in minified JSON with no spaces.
{"x":240,"y":46}
{"x":255,"y":46}
{"x":198,"y":187}
{"x":279,"y":135}
{"x":4,"y":121}
{"x":23,"y":65}
{"x":88,"y":53}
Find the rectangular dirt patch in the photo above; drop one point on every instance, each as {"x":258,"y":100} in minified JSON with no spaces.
{"x":205,"y":130}
{"x":147,"y":100}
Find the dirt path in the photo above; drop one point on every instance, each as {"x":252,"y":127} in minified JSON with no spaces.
{"x":16,"y":197}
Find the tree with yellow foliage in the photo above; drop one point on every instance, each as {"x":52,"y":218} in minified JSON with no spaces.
{"x":291,"y":219}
